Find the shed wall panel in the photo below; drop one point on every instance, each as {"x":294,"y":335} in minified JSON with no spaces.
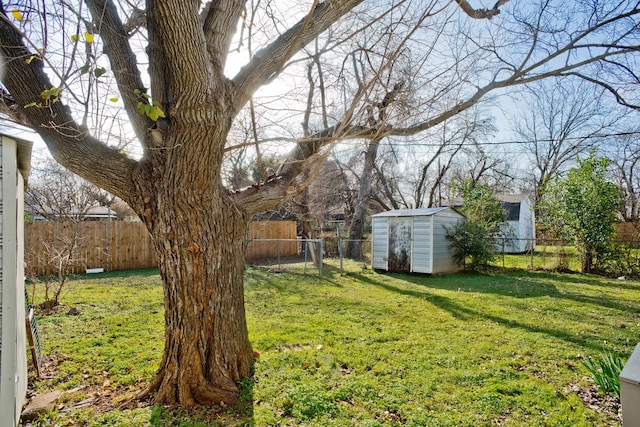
{"x":13,"y":362}
{"x":21,"y":348}
{"x":519,"y":233}
{"x":442,"y":253}
{"x":1,"y":244}
{"x":527,"y":224}
{"x":380,"y":243}
{"x":422,"y":244}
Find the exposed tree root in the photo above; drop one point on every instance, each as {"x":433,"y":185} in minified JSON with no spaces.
{"x":189,"y":394}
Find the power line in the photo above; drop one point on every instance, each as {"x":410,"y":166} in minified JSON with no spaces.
{"x":531,"y":141}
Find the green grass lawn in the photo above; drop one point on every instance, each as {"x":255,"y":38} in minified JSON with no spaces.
{"x":543,"y":258}
{"x":359,"y":349}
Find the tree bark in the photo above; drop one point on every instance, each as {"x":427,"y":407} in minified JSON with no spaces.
{"x":201,"y":258}
{"x":354,"y":246}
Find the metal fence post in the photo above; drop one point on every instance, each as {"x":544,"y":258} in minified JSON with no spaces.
{"x":532,"y":250}
{"x":306,"y":248}
{"x":278,"y":253}
{"x":321,"y":256}
{"x":340,"y":254}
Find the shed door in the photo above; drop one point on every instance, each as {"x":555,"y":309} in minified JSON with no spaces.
{"x":399,"y":244}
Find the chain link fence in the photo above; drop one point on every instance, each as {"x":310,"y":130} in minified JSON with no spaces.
{"x":307,"y":256}
{"x":556,"y":254}
{"x":292,"y":255}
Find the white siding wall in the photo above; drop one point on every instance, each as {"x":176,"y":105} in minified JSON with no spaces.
{"x":527,"y":224}
{"x":13,"y":359}
{"x":1,"y":246}
{"x":512,"y":231}
{"x":21,"y":348}
{"x":442,"y":253}
{"x":380,"y":243}
{"x":422,"y":243}
{"x":1,"y":234}
{"x":520,"y":231}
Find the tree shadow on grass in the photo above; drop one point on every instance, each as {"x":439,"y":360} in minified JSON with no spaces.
{"x":465,"y":313}
{"x":522,"y":284}
{"x":600,"y":281}
{"x":289,"y":282}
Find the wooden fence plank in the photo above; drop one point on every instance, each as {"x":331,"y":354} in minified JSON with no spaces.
{"x":118,"y":245}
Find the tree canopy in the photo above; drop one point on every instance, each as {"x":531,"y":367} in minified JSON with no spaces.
{"x":583,"y":207}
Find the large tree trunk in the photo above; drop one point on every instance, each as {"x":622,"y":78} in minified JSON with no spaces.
{"x":201,"y":256}
{"x":354,"y":246}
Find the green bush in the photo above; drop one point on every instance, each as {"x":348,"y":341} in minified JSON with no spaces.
{"x":620,"y":260}
{"x":474,"y":241}
{"x":472,"y":244}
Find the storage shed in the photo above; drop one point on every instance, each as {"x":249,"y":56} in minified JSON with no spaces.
{"x":15,"y":155}
{"x":414,"y":240}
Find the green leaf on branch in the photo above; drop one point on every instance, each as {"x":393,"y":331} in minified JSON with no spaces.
{"x":142,"y":94}
{"x":153,"y":111}
{"x":52,"y":94}
{"x":98,"y":72}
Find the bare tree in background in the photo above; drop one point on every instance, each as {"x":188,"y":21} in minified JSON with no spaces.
{"x":485,"y":164}
{"x":455,"y":140}
{"x":55,"y":193}
{"x":180,"y":93}
{"x":565,"y":119}
{"x":624,"y":153}
{"x":64,"y":199}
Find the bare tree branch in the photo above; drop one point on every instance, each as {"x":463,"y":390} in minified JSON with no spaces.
{"x":187,"y":79}
{"x":123,"y":63}
{"x":219,"y":24}
{"x":613,"y":91}
{"x":269,"y":61}
{"x":480,"y":13}
{"x":71,"y":145}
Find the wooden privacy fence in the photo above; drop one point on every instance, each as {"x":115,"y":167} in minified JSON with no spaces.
{"x":118,"y":245}
{"x":626,"y":232}
{"x":281,"y":230}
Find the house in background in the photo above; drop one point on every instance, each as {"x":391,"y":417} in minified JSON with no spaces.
{"x":93,"y":213}
{"x":518,"y":233}
{"x":414,"y":240}
{"x":15,"y":156}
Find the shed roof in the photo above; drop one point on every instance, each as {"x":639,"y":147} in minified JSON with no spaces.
{"x":512,"y":198}
{"x":415,"y":212}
